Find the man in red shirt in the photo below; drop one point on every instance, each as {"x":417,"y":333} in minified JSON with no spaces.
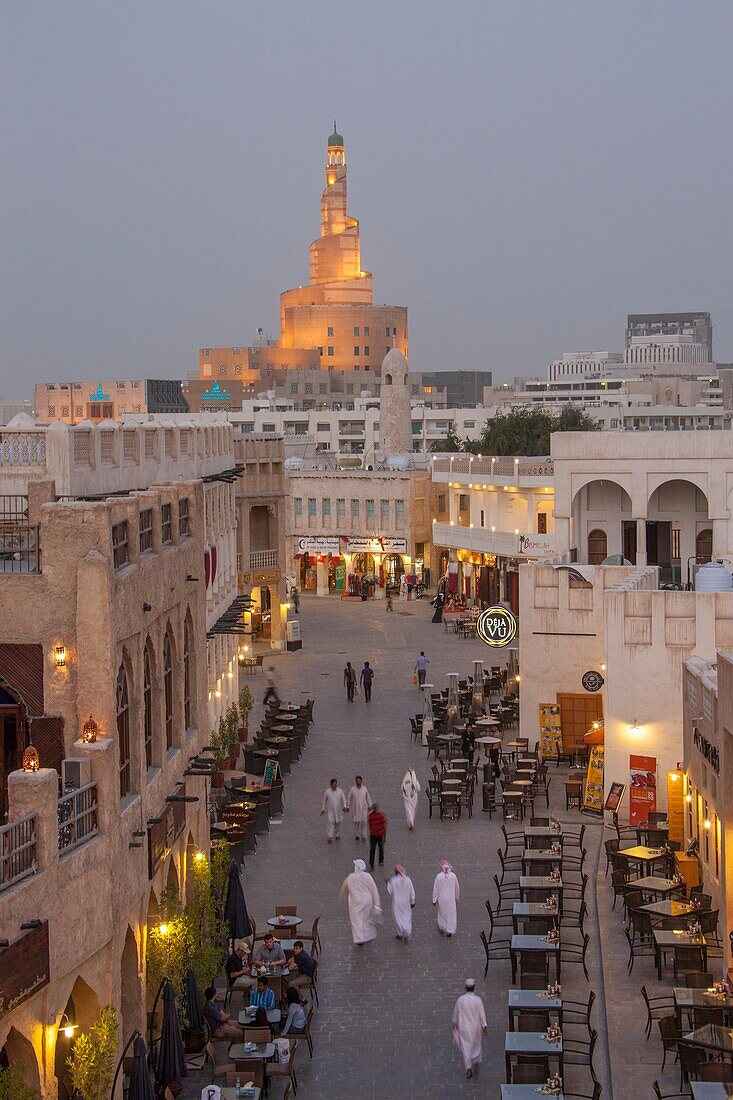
{"x":377,"y":834}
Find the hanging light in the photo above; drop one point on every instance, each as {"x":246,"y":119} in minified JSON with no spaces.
{"x":30,"y":762}
{"x":68,"y":1028}
{"x":89,"y":731}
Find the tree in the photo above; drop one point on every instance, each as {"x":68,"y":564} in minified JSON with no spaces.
{"x":526,"y":431}
{"x":13,"y":1085}
{"x":449,"y":445}
{"x":92,"y":1060}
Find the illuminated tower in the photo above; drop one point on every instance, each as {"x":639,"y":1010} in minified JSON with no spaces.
{"x":335,"y":312}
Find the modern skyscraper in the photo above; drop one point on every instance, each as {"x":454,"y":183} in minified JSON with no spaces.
{"x":335,"y":312}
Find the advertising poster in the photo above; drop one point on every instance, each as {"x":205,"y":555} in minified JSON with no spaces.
{"x":642,"y":789}
{"x":614,"y":796}
{"x":550,"y":731}
{"x":593,"y":797}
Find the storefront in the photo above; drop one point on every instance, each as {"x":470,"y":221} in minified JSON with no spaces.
{"x":473,"y":577}
{"x":352,"y":565}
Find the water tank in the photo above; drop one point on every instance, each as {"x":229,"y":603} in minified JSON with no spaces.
{"x":399,"y":462}
{"x":713,"y":577}
{"x":294,"y":463}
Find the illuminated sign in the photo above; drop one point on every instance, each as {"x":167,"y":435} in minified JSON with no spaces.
{"x":216,"y":393}
{"x":313,"y":544}
{"x":374,"y":544}
{"x":497,"y":627}
{"x":99,"y":394}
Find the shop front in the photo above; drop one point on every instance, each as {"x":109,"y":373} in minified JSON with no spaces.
{"x":473,"y":577}
{"x":367,"y":566}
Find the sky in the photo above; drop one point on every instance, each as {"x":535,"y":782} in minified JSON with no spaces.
{"x":526,"y":173}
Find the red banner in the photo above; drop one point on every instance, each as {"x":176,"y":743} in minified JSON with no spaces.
{"x":643,"y":788}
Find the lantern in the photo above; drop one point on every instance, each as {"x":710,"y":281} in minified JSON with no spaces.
{"x":59,"y":656}
{"x":30,"y":763}
{"x":89,"y":731}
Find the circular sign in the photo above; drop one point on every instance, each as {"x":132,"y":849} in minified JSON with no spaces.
{"x":497,"y":627}
{"x":592,"y":680}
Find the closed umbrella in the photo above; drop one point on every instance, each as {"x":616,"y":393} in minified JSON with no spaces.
{"x":194,"y":1015}
{"x":171,"y":1063}
{"x":141,"y":1087}
{"x":235,"y":909}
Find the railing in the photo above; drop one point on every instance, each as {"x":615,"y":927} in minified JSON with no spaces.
{"x":17,"y":851}
{"x":20,"y":547}
{"x":502,"y":466}
{"x":263,"y":559}
{"x":22,"y":448}
{"x":77,"y":816}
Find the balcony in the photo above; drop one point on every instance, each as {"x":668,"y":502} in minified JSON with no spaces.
{"x":18,"y":852}
{"x":500,"y":470}
{"x":481,"y":540}
{"x":77,"y":817}
{"x":20,"y":547}
{"x":263,"y":559}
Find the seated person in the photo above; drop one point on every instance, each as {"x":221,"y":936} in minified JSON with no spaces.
{"x":295,"y":1019}
{"x":262,"y":996}
{"x":301,"y":967}
{"x":237,"y":971}
{"x":220,"y":1022}
{"x":269,"y":952}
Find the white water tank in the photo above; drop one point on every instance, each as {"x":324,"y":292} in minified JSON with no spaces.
{"x":713,"y":577}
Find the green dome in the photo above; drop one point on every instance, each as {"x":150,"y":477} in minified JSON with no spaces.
{"x":335,"y":138}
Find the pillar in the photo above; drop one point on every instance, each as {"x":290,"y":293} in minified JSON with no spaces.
{"x":321,"y":579}
{"x":641,"y":541}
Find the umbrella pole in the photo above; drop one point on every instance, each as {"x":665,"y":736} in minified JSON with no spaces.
{"x":130,"y":1041}
{"x":152,"y":1014}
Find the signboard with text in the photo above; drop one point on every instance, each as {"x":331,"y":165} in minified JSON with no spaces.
{"x":497,"y":627}
{"x":374,"y":544}
{"x":315,"y":544}
{"x":593,"y":794}
{"x":25,"y":968}
{"x":537,"y":546}
{"x":550,"y":730}
{"x":643,"y":788}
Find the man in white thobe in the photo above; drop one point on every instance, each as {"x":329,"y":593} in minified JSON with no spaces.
{"x":365,"y":908}
{"x":334,"y":807}
{"x":402,"y":892}
{"x":446,"y":894}
{"x":410,"y":791}
{"x":359,"y":803}
{"x":469,"y":1027}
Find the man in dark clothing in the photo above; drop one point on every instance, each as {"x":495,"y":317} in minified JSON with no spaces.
{"x":350,"y":681}
{"x":221,"y":1024}
{"x":377,"y":834}
{"x":301,"y":967}
{"x":367,"y":675}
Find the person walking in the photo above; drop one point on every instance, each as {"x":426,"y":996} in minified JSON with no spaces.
{"x":271,"y":690}
{"x":334,"y":806}
{"x":350,"y":681}
{"x":296,"y":599}
{"x":365,"y":679}
{"x":469,"y":1027}
{"x":446,"y":895}
{"x":377,"y":834}
{"x":421,"y":668}
{"x":410,"y":791}
{"x":402,"y":892}
{"x":389,"y":605}
{"x":365,"y":907}
{"x":359,"y":803}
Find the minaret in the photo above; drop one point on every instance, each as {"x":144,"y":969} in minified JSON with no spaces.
{"x":395,"y":420}
{"x":336,"y":255}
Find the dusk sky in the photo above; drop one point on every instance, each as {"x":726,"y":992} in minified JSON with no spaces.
{"x":525,"y":173}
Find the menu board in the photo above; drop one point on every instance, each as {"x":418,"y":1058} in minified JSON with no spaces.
{"x":271,"y":767}
{"x":614,"y":796}
{"x":593,"y":795}
{"x":643,"y":788}
{"x":550,"y":730}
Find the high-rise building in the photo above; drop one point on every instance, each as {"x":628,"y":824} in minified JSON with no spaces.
{"x":335,"y":312}
{"x":645,"y":329}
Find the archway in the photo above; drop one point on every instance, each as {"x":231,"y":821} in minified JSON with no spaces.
{"x":704,"y":546}
{"x":18,"y":1049}
{"x":676,"y":512}
{"x":130,"y":992}
{"x":603,"y":506}
{"x":81,"y":1010}
{"x":597,"y":546}
{"x":393,"y":568}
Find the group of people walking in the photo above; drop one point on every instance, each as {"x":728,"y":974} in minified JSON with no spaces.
{"x":366,"y":816}
{"x":365,"y":906}
{"x":353,"y":683}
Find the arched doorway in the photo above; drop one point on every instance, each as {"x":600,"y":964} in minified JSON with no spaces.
{"x":130,"y":993}
{"x":19,"y":1050}
{"x":12,"y":742}
{"x":704,"y":546}
{"x":393,"y":568}
{"x":676,"y":511}
{"x":603,"y":506}
{"x":81,"y":1010}
{"x":597,"y":546}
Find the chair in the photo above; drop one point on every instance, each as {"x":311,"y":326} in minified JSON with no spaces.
{"x":433,"y":794}
{"x":576,"y":1052}
{"x":691,"y":1058}
{"x":509,"y":891}
{"x":217,"y":1069}
{"x":533,"y":1021}
{"x":250,"y":1069}
{"x":610,"y":846}
{"x":257,"y":1035}
{"x":498,"y":918}
{"x":509,"y":864}
{"x":595,"y":1095}
{"x":667,"y":1095}
{"x":307,"y":1033}
{"x":513,"y":839}
{"x":702,"y":980}
{"x":655,"y":1005}
{"x":638,"y":949}
{"x":496,"y":951}
{"x":286,"y":910}
{"x":571,"y":953}
{"x":715,"y":1071}
{"x":314,"y":937}
{"x":532,"y":963}
{"x":311,"y":984}
{"x":670,"y":1036}
{"x":530,"y":1073}
{"x":539,"y":822}
{"x":286,"y":1069}
{"x":618,"y":884}
{"x":687,"y":959}
{"x":580,"y":1009}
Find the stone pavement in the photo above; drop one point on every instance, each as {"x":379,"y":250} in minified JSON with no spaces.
{"x":383,"y":1027}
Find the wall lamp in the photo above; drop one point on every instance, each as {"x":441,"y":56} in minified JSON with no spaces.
{"x":147,"y":607}
{"x":59,"y":656}
{"x":68,"y":1028}
{"x":155,"y":821}
{"x":182,"y":798}
{"x":189,"y":577}
{"x":89,"y":731}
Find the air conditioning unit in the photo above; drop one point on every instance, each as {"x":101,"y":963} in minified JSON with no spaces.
{"x":76,"y":772}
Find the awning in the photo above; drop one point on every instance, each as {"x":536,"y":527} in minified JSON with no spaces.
{"x":231,"y":621}
{"x":595,"y":734}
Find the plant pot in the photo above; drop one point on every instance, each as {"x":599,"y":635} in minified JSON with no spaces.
{"x":194,"y":1041}
{"x":243,"y":734}
{"x":218,"y":780}
{"x":175,"y":1088}
{"x":232,"y":761}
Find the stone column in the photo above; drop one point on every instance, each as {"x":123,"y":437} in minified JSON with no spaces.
{"x":321,"y":579}
{"x":37,"y":793}
{"x":640,"y":542}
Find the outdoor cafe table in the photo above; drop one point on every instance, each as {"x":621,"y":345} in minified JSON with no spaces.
{"x":284,"y":728}
{"x":537,"y":945}
{"x":247,"y":1016}
{"x":529,"y":1092}
{"x":540,"y":860}
{"x":647,"y":857}
{"x":538,"y":836}
{"x":711,"y":1090}
{"x":686,"y":999}
{"x":230,"y":1093}
{"x":655,"y":884}
{"x":670,"y":941}
{"x":540,"y":883}
{"x":237,"y":1053}
{"x":284,"y":922}
{"x":712,"y":1037}
{"x":669,"y":908}
{"x":530,"y":1042}
{"x":448,"y":740}
{"x":531,"y":911}
{"x":532,"y":1000}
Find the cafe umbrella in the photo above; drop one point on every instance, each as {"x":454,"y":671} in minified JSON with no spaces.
{"x":194,"y":1015}
{"x":140,"y":1087}
{"x":170,"y":1065}
{"x":235,"y":908}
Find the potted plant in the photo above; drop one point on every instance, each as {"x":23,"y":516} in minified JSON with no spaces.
{"x":13,"y":1085}
{"x":220,"y":744}
{"x":231,"y":725}
{"x":246,"y":702}
{"x":92,"y":1060}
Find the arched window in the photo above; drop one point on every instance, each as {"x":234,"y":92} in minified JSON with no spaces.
{"x":704,"y":546}
{"x":597,"y":546}
{"x":168,"y":688}
{"x":148,"y":705}
{"x":187,"y":674}
{"x":123,"y":731}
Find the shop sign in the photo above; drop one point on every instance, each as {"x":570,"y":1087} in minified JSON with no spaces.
{"x":708,"y":750}
{"x":373,"y":544}
{"x":312,"y":544}
{"x":99,"y":394}
{"x":592,"y":680}
{"x":550,"y":730}
{"x":497,"y":627}
{"x":536,"y":546}
{"x":614,"y":796}
{"x":25,"y":968}
{"x":216,"y":393}
{"x":643,"y":790}
{"x":593,"y":794}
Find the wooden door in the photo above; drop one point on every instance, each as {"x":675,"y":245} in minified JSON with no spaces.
{"x":577,"y":715}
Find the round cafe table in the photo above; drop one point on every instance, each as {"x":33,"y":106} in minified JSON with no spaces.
{"x":282,"y":728}
{"x":284,"y":922}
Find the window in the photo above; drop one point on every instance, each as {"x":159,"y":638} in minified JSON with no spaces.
{"x":168,"y":688}
{"x":322,"y":387}
{"x":483,"y":518}
{"x":52,"y":410}
{"x":120,"y":555}
{"x":322,"y":427}
{"x":356,"y":351}
{"x":349,"y":387}
{"x":166,"y":523}
{"x":441,"y":502}
{"x":293,"y":387}
{"x":146,"y":530}
{"x":542,"y":523}
{"x":320,"y":351}
{"x":399,"y":511}
{"x":366,"y":349}
{"x":597,"y":546}
{"x":370,"y":510}
{"x":187,"y":710}
{"x":355,"y":509}
{"x":340,"y":508}
{"x":311,"y":506}
{"x":309,"y":387}
{"x":325,"y":508}
{"x":123,"y":731}
{"x":298,"y":507}
{"x":463,"y":502}
{"x":148,"y":706}
{"x":184,"y":527}
{"x":330,"y":350}
{"x":386,"y":333}
{"x":329,"y":330}
{"x":366,"y":330}
{"x":384,"y":512}
{"x":356,"y":330}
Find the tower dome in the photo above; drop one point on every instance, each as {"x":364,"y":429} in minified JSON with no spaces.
{"x":335,"y":140}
